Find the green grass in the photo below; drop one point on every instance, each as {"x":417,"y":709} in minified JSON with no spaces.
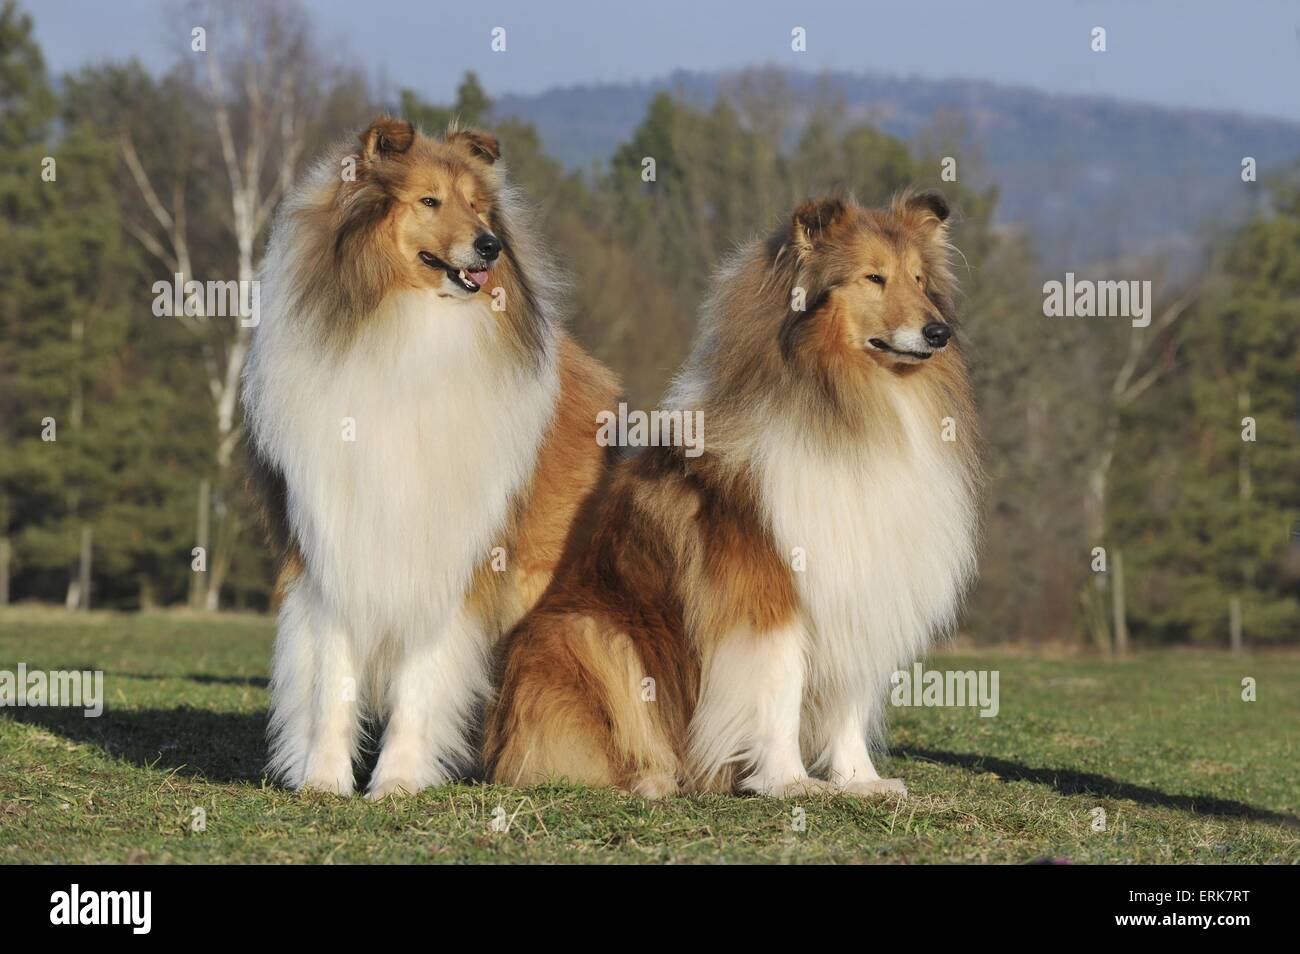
{"x":1185,"y":770}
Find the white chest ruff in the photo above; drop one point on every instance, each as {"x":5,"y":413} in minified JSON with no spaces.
{"x":401,"y":458}
{"x":887,"y":545}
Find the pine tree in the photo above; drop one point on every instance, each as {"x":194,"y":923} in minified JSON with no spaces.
{"x":64,"y":314}
{"x":1208,"y":498}
{"x":26,"y":110}
{"x":1243,"y":499}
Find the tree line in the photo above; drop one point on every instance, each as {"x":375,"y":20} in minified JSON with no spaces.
{"x":1141,"y":482}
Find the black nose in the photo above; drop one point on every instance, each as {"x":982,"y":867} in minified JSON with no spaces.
{"x":488,"y":245}
{"x":936,"y":333}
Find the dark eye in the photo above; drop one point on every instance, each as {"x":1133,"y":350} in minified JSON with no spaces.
{"x":876,"y":279}
{"x":431,"y":202}
{"x":919,"y":280}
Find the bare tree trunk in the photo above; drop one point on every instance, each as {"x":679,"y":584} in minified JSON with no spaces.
{"x":148,"y":602}
{"x":77,"y":594}
{"x":1095,"y":512}
{"x":83,"y":572}
{"x":199,"y":581}
{"x":1235,"y":640}
{"x":213,"y":599}
{"x":1245,"y":490}
{"x":1245,"y":485}
{"x":227,"y":531}
{"x":1120,"y":610}
{"x":1094,"y":602}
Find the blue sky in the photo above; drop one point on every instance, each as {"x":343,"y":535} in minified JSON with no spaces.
{"x":1240,"y":55}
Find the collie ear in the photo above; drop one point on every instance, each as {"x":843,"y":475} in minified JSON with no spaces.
{"x":928,"y":203}
{"x":385,"y":137}
{"x":478,"y":144}
{"x":813,"y":220}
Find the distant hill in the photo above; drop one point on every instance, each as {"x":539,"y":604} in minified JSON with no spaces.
{"x":1089,"y":177}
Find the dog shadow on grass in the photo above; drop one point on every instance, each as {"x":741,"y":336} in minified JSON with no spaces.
{"x":231,"y":747}
{"x":1069,"y":782}
{"x":216,"y":746}
{"x":207,"y":679}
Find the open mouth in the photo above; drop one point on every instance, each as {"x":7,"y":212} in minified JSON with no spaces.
{"x":918,"y":355}
{"x":470,"y":279}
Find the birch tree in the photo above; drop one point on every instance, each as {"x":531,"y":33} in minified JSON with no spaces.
{"x":1148,"y":357}
{"x":251,"y":70}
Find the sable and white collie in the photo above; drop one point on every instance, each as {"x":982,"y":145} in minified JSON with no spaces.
{"x":422,"y":437}
{"x":735,"y":618}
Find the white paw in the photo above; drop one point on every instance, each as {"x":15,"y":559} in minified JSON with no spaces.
{"x":655,"y":786}
{"x":874,"y":787}
{"x":334,"y":784}
{"x":382,"y":788}
{"x":399,"y":773}
{"x":795,"y":788}
{"x":329,"y":772}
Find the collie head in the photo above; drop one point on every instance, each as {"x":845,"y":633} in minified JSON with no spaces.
{"x":400,"y":212}
{"x":830,"y":321}
{"x":879,"y":280}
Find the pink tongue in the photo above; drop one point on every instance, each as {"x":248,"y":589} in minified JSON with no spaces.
{"x":478,"y":278}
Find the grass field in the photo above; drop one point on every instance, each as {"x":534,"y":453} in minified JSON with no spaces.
{"x":1184,"y":769}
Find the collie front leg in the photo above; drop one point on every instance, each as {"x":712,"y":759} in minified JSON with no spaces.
{"x":749,"y":712}
{"x":850,"y":759}
{"x":315,"y":725}
{"x":431,"y":703}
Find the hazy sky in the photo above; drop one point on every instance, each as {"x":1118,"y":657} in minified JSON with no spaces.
{"x":1239,"y":55}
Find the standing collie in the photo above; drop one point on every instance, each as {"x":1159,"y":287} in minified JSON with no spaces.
{"x":735,"y":620}
{"x":422,"y":436}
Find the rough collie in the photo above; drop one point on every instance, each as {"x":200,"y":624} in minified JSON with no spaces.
{"x":423,"y":434}
{"x":736,"y":616}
